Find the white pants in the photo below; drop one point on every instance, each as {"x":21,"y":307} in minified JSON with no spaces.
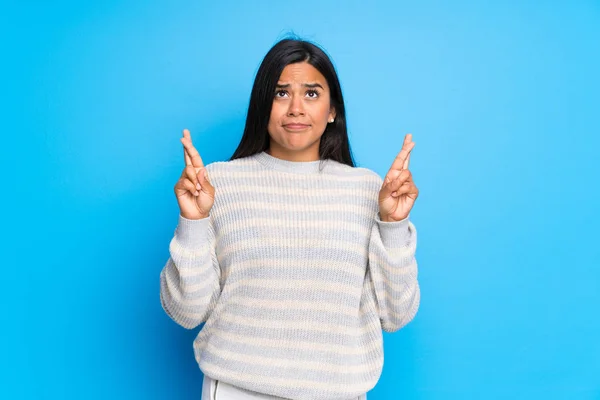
{"x":219,"y":390}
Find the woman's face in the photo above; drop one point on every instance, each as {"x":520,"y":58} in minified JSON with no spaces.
{"x":300,"y":113}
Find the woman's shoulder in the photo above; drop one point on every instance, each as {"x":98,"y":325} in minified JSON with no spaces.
{"x":362,"y":174}
{"x":239,"y":164}
{"x":231,"y":168}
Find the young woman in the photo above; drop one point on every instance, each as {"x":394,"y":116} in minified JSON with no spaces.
{"x":295,"y":259}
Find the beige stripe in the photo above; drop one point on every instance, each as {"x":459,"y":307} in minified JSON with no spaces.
{"x":392,"y":303}
{"x":306,"y":284}
{"x":298,"y":344}
{"x":189,"y":316}
{"x":267,"y":175}
{"x":281,"y":243}
{"x":298,"y":284}
{"x":176,"y":310}
{"x":396,"y":302}
{"x":287,"y":382}
{"x":278,"y":324}
{"x":396,"y":287}
{"x":296,"y":305}
{"x":198,"y":270}
{"x":289,"y":263}
{"x":245,"y":206}
{"x":260,"y":205}
{"x":400,"y":274}
{"x":403,"y":255}
{"x":176,"y":295}
{"x":185,"y":252}
{"x":399,"y":287}
{"x":270,"y":223}
{"x":401,"y":252}
{"x":286,"y":363}
{"x":313,"y":306}
{"x":200,"y":302}
{"x":300,"y":191}
{"x":177,"y":292}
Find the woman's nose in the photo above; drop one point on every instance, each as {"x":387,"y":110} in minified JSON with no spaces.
{"x":296,"y":106}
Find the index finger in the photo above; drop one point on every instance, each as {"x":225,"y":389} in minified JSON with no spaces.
{"x":191,"y":155}
{"x":186,"y":156}
{"x":401,"y":159}
{"x":407,"y":162}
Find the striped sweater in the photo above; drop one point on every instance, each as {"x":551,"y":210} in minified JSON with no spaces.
{"x":295,"y":276}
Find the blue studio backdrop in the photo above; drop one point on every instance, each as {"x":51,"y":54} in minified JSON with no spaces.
{"x":501,"y":98}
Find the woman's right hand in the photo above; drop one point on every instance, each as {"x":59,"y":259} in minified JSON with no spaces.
{"x":193,"y":190}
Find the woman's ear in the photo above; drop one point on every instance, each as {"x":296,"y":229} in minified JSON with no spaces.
{"x":332,"y":115}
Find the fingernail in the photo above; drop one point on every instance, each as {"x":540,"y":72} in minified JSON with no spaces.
{"x":196,"y":194}
{"x":198,"y":186}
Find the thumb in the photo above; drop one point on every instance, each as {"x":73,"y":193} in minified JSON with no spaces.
{"x":387,"y":188}
{"x":204,"y":181}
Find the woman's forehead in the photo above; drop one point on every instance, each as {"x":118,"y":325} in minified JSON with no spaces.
{"x":301,"y":74}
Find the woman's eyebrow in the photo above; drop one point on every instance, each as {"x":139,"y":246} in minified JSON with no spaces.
{"x":313,"y":85}
{"x":308,"y":85}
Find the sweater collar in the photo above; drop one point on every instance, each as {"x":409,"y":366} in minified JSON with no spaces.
{"x":299,"y":167}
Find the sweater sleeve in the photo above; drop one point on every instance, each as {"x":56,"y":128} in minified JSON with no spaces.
{"x":393,"y":272}
{"x":190,"y":280}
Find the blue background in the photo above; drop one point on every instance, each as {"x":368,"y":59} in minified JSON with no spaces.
{"x":503,"y":102}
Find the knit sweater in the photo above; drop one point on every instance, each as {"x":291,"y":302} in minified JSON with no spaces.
{"x":295,"y":276}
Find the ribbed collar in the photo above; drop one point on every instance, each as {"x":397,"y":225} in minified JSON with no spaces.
{"x":298,"y":167}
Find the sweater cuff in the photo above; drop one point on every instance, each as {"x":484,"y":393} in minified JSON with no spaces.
{"x":192,"y":233}
{"x":393,"y":234}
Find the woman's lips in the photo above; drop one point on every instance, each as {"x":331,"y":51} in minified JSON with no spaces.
{"x":295,"y":127}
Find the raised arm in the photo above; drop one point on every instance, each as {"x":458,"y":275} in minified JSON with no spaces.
{"x":190,"y":280}
{"x":392,"y":246}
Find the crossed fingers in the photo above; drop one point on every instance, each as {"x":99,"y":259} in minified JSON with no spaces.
{"x":190,"y":154}
{"x":402,"y":160}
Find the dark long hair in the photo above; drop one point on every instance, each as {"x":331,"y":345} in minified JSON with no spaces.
{"x":334,"y":143}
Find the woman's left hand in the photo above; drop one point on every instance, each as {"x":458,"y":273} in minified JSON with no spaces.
{"x":398,"y":192}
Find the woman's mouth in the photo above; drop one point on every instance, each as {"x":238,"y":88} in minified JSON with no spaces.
{"x":295,"y":127}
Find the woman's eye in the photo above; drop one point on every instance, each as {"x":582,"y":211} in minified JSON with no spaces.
{"x":313,"y":94}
